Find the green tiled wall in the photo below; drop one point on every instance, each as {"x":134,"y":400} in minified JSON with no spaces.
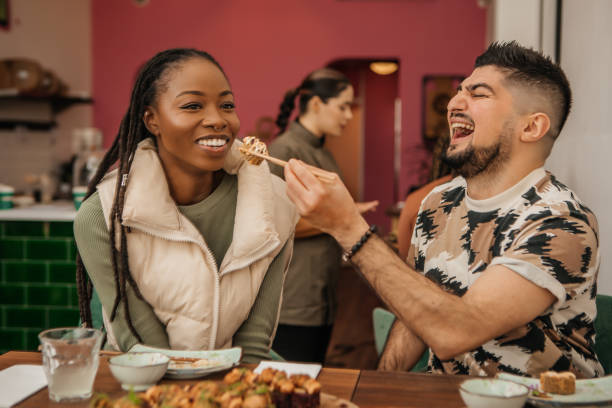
{"x":37,"y":281}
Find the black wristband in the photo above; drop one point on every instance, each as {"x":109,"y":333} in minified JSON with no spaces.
{"x":347,"y":255}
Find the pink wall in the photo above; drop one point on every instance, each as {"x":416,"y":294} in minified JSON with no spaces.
{"x":378,"y":174}
{"x":267,"y":46}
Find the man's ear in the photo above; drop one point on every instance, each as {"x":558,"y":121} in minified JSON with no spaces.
{"x":535,"y":127}
{"x":150,"y":121}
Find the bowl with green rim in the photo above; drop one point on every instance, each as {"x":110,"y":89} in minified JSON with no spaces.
{"x":493,"y":392}
{"x":138,"y":371}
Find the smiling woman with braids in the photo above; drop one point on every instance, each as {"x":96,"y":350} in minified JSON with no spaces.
{"x":200,"y":240}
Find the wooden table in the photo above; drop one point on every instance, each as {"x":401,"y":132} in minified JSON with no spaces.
{"x":398,"y":389}
{"x":364,"y":388}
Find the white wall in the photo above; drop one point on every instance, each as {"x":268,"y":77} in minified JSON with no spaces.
{"x":530,"y":22}
{"x":582,"y":156}
{"x":584,"y":147}
{"x":516,"y":20}
{"x":57,"y":34}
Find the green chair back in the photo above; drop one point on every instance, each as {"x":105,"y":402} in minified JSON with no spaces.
{"x":382,"y":320}
{"x":603,"y":328}
{"x":96,"y":311}
{"x":274,"y":356}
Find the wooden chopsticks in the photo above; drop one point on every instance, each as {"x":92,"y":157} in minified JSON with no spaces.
{"x":322,"y":175}
{"x":111,"y":353}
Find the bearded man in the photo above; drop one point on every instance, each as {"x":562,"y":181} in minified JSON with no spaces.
{"x":501,"y":273}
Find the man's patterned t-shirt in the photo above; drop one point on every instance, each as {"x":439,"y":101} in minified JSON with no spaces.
{"x":538,"y":229}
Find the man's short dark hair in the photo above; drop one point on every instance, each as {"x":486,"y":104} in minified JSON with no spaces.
{"x":534,"y":71}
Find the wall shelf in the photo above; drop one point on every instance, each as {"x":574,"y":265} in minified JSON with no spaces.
{"x":34,"y":113}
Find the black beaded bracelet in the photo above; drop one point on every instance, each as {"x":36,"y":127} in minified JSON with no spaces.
{"x":347,"y":255}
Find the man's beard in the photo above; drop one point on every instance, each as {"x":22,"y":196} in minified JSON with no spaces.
{"x":480,"y":160}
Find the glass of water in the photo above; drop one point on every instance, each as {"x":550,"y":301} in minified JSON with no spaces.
{"x":70,"y":361}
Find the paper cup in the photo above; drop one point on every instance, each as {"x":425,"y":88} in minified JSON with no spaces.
{"x":78,"y":193}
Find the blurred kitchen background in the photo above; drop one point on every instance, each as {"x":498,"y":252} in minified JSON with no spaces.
{"x":68,"y":67}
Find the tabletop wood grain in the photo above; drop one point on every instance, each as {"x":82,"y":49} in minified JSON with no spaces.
{"x":400,"y":389}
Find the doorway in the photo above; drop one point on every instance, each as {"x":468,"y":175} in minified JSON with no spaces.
{"x":366,"y":153}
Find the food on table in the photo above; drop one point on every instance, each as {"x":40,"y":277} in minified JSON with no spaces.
{"x":253,"y":144}
{"x":241,"y":388}
{"x":558,"y":382}
{"x":181,"y":364}
{"x":535,"y":392}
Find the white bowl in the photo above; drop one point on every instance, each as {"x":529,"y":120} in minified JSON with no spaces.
{"x":138,"y":371}
{"x":492,"y":392}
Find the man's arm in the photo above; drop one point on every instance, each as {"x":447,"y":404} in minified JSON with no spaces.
{"x":403,"y":349}
{"x":499,"y":301}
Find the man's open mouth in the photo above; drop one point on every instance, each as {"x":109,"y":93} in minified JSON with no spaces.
{"x":460,"y":130}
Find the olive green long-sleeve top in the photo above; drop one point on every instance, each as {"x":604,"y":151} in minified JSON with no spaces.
{"x":214,"y":218}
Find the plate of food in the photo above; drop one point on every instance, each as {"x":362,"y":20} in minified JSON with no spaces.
{"x":240,"y":388}
{"x":187,"y":364}
{"x":563,"y":390}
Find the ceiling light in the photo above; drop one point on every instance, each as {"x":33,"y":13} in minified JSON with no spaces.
{"x":383,"y":67}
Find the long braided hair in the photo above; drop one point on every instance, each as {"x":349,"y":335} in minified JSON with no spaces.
{"x":325,"y":83}
{"x":151,"y":80}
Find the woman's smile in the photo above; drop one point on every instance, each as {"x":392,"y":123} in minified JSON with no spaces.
{"x":215,"y":145}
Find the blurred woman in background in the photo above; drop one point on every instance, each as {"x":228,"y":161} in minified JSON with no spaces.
{"x":325,"y":98}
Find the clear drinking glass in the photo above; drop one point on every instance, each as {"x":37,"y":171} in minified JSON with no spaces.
{"x":70,"y":361}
